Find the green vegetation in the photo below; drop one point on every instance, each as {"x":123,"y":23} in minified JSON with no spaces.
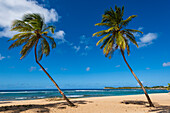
{"x":146,"y":87}
{"x":117,"y":37}
{"x":168,"y":88}
{"x":34,"y":33}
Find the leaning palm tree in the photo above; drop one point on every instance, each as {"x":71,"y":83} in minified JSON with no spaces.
{"x":33,"y":32}
{"x":117,"y":36}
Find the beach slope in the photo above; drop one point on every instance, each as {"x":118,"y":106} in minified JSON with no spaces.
{"x":111,"y":104}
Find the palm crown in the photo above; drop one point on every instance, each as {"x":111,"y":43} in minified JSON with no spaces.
{"x":33,"y":31}
{"x":117,"y":36}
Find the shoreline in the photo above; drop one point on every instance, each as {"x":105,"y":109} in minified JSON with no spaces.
{"x":60,"y":98}
{"x":106,"y":104}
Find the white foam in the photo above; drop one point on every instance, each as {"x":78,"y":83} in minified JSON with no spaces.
{"x":89,"y":90}
{"x":74,"y":96}
{"x":20,"y":98}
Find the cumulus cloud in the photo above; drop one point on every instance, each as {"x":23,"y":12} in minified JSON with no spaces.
{"x":32,"y":68}
{"x":141,"y":82}
{"x":88,"y":69}
{"x":147,"y":39}
{"x":64,"y":69}
{"x":77,"y":48}
{"x":166,"y":64}
{"x":148,"y":68}
{"x":59,"y":35}
{"x":84,"y":40}
{"x":137,"y":34}
{"x":117,"y":66}
{"x":14,"y":9}
{"x":42,"y":70}
{"x":1,"y":57}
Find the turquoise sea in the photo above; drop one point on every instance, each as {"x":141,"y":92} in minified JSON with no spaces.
{"x":6,"y":95}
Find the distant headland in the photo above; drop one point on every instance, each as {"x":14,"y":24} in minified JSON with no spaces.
{"x":154,"y":87}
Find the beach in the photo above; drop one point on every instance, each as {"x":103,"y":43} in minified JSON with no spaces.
{"x":107,"y":104}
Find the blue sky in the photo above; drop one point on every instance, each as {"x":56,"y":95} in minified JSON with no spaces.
{"x":76,"y":62}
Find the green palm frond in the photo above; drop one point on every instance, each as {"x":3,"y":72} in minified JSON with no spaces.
{"x":21,"y":26}
{"x":40,"y":51}
{"x":36,"y":21}
{"x":46,"y":49}
{"x":103,"y":32}
{"x":51,"y":40}
{"x":32,"y":29}
{"x":116,"y":36}
{"x":18,"y":42}
{"x":133,"y":30}
{"x":27,"y":47}
{"x":51,"y":28}
{"x":21,"y":35}
{"x":125,"y":22}
{"x":101,"y":40}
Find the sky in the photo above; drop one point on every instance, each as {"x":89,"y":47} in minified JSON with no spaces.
{"x":77,"y":62}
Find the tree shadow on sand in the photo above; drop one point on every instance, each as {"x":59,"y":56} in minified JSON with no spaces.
{"x":157,"y":109}
{"x":4,"y":102}
{"x":39,"y":108}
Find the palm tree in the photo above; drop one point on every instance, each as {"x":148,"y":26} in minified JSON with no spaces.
{"x":33,"y":33}
{"x":118,"y":37}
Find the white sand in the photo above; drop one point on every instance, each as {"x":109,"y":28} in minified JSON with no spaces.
{"x":111,"y":104}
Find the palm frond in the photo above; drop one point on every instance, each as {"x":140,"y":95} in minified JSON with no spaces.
{"x":101,"y":40}
{"x":51,"y":28}
{"x":40,"y":51}
{"x":28,"y":47}
{"x":46,"y":49}
{"x":18,"y":42}
{"x":21,"y":26}
{"x":21,"y":35}
{"x":116,"y":36}
{"x":125,"y":22}
{"x":51,"y":40}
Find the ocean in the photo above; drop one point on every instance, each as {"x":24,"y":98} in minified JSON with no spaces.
{"x":8,"y":95}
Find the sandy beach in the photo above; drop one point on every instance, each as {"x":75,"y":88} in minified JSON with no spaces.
{"x":109,"y":104}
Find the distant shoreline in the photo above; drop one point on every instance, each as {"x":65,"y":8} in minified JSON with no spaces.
{"x":154,"y":87}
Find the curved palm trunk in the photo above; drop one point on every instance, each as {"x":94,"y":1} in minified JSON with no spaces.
{"x":69,"y":102}
{"x":146,"y":94}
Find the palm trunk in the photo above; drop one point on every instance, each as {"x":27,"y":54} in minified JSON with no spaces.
{"x":64,"y":97}
{"x":146,"y":94}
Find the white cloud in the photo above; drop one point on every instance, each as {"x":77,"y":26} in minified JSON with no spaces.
{"x":59,"y":35}
{"x":84,"y":54}
{"x":64,"y":69}
{"x":140,"y":28}
{"x":1,"y":57}
{"x":148,"y":68}
{"x":88,"y":69}
{"x":14,"y":9}
{"x":147,"y":39}
{"x":85,"y":40}
{"x":117,"y":66}
{"x":32,"y":68}
{"x":166,"y":64}
{"x":137,"y":34}
{"x":138,"y":83}
{"x":42,"y":70}
{"x":77,"y":48}
{"x":87,"y":47}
